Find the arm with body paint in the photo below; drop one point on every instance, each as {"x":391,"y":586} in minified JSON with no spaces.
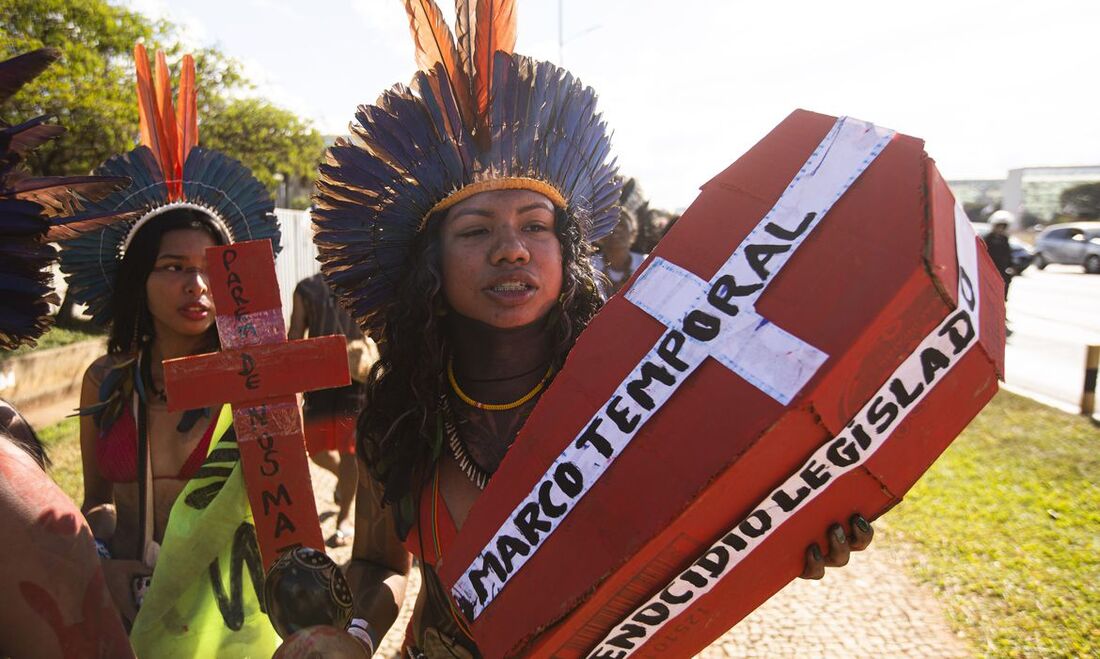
{"x":98,"y":506}
{"x":56,"y":603}
{"x":98,"y":491}
{"x":380,"y":564}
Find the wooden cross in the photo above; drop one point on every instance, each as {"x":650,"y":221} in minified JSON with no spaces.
{"x":259,"y":372}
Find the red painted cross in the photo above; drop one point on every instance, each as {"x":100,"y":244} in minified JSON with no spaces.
{"x":259,"y":372}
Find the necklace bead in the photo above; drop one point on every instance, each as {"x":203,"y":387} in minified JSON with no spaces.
{"x":494,"y":407}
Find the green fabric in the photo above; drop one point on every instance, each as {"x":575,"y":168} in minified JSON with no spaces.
{"x":185,"y":613}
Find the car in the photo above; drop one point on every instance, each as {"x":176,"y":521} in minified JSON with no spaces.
{"x":1077,"y":243}
{"x":1021,"y":252}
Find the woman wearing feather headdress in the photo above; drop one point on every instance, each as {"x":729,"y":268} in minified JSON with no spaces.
{"x":164,"y":490}
{"x":456,"y":227}
{"x":55,"y":601}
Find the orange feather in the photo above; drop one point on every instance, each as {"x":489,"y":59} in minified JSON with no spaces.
{"x":188,"y":109}
{"x":435,"y":45}
{"x":464,"y":35}
{"x":169,"y":130}
{"x":496,"y":30}
{"x":147,"y":102}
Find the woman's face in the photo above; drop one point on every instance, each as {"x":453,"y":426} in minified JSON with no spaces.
{"x":177,"y":291}
{"x":501,"y":258}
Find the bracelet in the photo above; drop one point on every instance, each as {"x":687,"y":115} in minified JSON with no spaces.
{"x":360,"y":629}
{"x":101,"y":549}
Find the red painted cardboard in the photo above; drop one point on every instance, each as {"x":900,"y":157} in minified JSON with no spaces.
{"x":261,"y":372}
{"x":258,"y":372}
{"x":865,"y":287}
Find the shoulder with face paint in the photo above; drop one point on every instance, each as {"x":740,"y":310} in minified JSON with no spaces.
{"x":56,"y":601}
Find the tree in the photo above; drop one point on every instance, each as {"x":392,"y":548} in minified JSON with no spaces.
{"x":1082,"y":201}
{"x":92,"y":91}
{"x":269,"y":140}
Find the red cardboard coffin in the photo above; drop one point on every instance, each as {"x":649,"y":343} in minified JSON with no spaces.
{"x":814,"y":331}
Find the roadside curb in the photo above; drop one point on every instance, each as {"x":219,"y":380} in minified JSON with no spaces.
{"x":1043,"y":399}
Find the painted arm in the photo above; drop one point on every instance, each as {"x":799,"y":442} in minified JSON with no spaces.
{"x":56,"y":602}
{"x":380,"y":565}
{"x":99,"y":503}
{"x":99,"y":495}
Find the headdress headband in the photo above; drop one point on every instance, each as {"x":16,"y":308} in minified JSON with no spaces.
{"x":36,"y":211}
{"x":476,"y":117}
{"x":170,"y":171}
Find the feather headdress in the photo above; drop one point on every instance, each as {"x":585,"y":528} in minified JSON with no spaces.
{"x":169,"y":171}
{"x":476,"y":117}
{"x":35,"y":211}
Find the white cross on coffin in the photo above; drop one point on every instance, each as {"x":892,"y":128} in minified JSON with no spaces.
{"x":765,"y":355}
{"x":770,"y":358}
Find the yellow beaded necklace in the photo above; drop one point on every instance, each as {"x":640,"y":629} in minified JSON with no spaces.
{"x":494,"y":407}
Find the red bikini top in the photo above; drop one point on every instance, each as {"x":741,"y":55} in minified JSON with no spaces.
{"x":116,"y":450}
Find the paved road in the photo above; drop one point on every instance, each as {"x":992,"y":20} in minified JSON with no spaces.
{"x":1053,"y":315}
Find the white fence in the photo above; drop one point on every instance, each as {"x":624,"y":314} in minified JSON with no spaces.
{"x":298,"y":259}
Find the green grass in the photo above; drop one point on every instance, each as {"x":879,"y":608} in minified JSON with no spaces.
{"x":55,"y":337}
{"x":62,"y":442}
{"x":1006,"y":528}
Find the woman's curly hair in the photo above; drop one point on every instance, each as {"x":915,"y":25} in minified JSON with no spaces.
{"x":397,"y":427}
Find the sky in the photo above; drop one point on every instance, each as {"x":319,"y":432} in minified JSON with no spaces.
{"x":688,"y":86}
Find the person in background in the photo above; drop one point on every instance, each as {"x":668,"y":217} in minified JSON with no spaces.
{"x":615,"y":261}
{"x":996,"y":241}
{"x":329,"y":414}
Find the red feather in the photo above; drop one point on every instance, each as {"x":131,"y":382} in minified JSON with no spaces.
{"x":435,"y":45}
{"x":159,"y":129}
{"x":496,"y":30}
{"x":188,"y":107}
{"x":147,"y":103}
{"x":169,"y":129}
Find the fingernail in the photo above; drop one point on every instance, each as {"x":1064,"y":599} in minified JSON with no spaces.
{"x":862,"y":524}
{"x":838,"y":533}
{"x":816,"y":553}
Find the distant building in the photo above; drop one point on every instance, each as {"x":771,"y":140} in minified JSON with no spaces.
{"x":978,"y":193}
{"x":1037,"y":191}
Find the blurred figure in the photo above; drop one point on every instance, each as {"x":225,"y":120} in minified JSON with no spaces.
{"x":615,"y":261}
{"x":614,"y":258}
{"x":653,"y":223}
{"x":996,"y":241}
{"x":330,"y":414}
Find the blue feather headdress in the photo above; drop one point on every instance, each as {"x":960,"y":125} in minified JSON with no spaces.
{"x":168,"y":171}
{"x":476,"y":117}
{"x":35,"y":211}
